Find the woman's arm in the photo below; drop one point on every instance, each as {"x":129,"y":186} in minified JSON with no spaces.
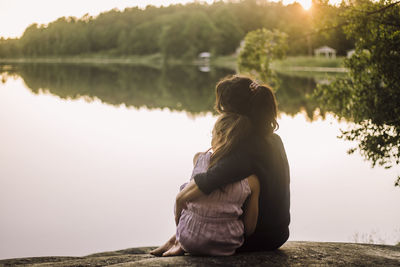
{"x":250,"y":214}
{"x":231,"y":168}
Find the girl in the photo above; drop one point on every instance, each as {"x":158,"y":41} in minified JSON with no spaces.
{"x":216,"y":224}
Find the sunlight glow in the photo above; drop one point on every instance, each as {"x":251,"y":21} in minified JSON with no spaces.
{"x":306,"y":4}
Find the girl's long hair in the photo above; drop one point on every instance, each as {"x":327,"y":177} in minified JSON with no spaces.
{"x":229,"y":130}
{"x":246,"y":110}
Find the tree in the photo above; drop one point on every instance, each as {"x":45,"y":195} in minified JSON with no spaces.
{"x":141,"y":40}
{"x":259,"y":49}
{"x":172,"y":40}
{"x":218,"y":27}
{"x":30,"y":40}
{"x":370,"y":95}
{"x":199,"y":32}
{"x":228,"y":32}
{"x":9,"y":48}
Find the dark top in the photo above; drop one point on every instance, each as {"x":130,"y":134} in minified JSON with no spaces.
{"x":266,"y":158}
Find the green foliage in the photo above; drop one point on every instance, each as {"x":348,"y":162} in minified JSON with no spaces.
{"x":298,"y":43}
{"x":187,"y":39}
{"x":260,"y":48}
{"x":141,"y":40}
{"x":199,"y":33}
{"x":326,"y":20}
{"x":172,"y":39}
{"x":228,"y":32}
{"x":370,"y":96}
{"x":9,"y":47}
{"x":175,"y":31}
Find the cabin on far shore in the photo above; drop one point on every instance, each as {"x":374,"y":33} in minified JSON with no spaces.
{"x":204,"y":56}
{"x":326,"y":51}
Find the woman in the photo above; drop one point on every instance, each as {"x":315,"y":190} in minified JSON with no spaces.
{"x":260,"y":152}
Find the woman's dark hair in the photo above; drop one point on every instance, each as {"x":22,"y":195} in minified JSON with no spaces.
{"x":245,"y":109}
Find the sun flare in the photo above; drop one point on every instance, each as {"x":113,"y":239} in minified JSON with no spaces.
{"x":306,"y":4}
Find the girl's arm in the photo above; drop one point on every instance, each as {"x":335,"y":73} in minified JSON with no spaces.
{"x":250,"y":213}
{"x":189,"y":193}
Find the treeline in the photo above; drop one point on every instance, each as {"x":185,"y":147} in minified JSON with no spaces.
{"x":177,"y":31}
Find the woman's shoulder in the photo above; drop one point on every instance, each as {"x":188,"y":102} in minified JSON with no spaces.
{"x":271,"y":139}
{"x":275,"y":140}
{"x":276,"y":137}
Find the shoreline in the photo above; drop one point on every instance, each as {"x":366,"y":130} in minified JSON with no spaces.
{"x":289,"y":65}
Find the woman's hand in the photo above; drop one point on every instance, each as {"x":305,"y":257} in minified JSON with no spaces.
{"x":189,"y":193}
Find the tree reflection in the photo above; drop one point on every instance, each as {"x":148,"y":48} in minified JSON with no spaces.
{"x":182,"y":88}
{"x":176,"y":88}
{"x":295,"y":95}
{"x":375,"y":114}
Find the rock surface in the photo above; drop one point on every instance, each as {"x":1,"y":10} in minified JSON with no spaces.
{"x":291,"y":254}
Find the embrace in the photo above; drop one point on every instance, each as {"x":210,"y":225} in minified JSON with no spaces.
{"x":238,"y":197}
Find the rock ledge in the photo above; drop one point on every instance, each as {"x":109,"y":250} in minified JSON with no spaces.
{"x":293,"y":253}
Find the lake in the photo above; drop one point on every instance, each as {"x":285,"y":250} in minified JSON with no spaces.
{"x":91,"y":158}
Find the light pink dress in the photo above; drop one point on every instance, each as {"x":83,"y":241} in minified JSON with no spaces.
{"x":211,"y":224}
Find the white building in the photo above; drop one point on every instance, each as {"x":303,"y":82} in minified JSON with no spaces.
{"x":326,"y":51}
{"x":205,"y":56}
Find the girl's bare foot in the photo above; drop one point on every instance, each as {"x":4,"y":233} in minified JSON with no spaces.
{"x":175,"y":250}
{"x":167,"y":246}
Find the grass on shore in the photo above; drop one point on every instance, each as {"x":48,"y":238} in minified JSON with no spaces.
{"x":298,"y":64}
{"x":306,"y":61}
{"x":154,"y":60}
{"x":227,"y":62}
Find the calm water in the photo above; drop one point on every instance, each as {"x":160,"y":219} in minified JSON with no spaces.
{"x":91,"y":160}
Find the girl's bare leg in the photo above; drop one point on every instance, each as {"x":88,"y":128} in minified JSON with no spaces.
{"x":167,"y":246}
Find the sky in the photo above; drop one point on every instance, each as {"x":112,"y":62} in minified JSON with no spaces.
{"x":17,"y":15}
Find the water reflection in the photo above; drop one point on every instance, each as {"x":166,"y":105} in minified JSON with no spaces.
{"x":294,"y":95}
{"x":75,"y":175}
{"x":175,"y":87}
{"x":191,"y":89}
